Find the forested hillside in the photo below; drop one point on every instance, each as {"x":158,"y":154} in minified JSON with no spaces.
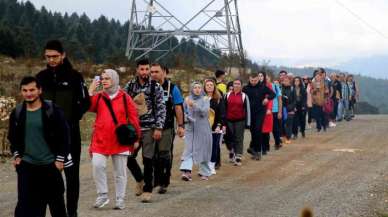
{"x":24,"y":30}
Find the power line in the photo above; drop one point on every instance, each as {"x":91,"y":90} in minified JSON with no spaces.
{"x":362,"y":20}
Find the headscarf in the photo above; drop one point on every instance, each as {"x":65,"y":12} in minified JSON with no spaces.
{"x":192,"y":95}
{"x":115,"y":82}
{"x":202,"y":103}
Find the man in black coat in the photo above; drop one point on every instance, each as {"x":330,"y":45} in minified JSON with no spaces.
{"x":66,"y":88}
{"x":258,"y":94}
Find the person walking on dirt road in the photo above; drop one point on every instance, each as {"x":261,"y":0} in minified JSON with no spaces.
{"x":66,"y":87}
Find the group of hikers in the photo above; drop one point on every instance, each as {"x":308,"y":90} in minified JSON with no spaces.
{"x":145,"y":115}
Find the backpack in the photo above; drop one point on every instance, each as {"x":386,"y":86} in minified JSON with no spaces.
{"x":49,"y":110}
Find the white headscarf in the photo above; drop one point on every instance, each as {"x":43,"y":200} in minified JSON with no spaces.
{"x":115,"y":82}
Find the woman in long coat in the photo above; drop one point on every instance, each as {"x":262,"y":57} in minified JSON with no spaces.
{"x":198,"y":136}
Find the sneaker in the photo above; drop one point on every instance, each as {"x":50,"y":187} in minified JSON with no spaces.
{"x":139,"y":188}
{"x":212,"y":168}
{"x":186,"y":176}
{"x":231,"y":157}
{"x":332,"y":124}
{"x":119,"y":204}
{"x":213,"y":171}
{"x":238,"y":162}
{"x":162,"y":190}
{"x":288,"y":142}
{"x":146,"y":197}
{"x":101,"y":201}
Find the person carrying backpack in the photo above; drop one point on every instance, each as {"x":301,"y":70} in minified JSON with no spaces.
{"x":152,"y":124}
{"x":39,"y":137}
{"x":174,"y":108}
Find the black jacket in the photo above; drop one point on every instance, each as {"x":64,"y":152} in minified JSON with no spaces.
{"x":301,"y":102}
{"x":219,"y":108}
{"x":256,"y":95}
{"x":56,"y":132}
{"x":289,"y":98}
{"x":65,"y":87}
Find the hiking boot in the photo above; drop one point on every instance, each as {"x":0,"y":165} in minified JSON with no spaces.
{"x":146,"y":197}
{"x":162,"y":190}
{"x":101,"y":201}
{"x":139,"y":188}
{"x":119,"y":204}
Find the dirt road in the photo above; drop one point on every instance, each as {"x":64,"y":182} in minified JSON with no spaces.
{"x":339,"y":173}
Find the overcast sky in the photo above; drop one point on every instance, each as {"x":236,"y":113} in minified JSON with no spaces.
{"x":296,"y":33}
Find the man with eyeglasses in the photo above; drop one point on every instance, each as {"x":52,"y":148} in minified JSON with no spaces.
{"x":65,"y":87}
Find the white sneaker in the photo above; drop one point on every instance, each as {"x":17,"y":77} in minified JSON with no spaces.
{"x":212,"y":168}
{"x":101,"y":201}
{"x":331,"y":124}
{"x":119,"y":204}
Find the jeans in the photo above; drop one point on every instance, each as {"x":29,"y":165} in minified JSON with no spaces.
{"x":288,"y":125}
{"x":319,"y":116}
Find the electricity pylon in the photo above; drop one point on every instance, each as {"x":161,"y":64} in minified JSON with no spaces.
{"x":154,"y":28}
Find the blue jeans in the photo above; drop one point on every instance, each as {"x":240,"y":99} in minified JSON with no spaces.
{"x":319,"y":116}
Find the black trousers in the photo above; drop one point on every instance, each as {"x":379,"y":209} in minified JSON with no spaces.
{"x":256,"y":131}
{"x":72,"y":173}
{"x":216,"y":149}
{"x":299,"y":124}
{"x":39,"y":186}
{"x":134,"y":167}
{"x":276,"y":131}
{"x":266,"y":146}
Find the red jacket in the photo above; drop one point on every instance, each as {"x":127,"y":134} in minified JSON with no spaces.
{"x":268,"y":119}
{"x":104,"y":140}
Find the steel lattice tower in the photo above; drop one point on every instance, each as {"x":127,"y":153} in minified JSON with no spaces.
{"x":153,"y":27}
